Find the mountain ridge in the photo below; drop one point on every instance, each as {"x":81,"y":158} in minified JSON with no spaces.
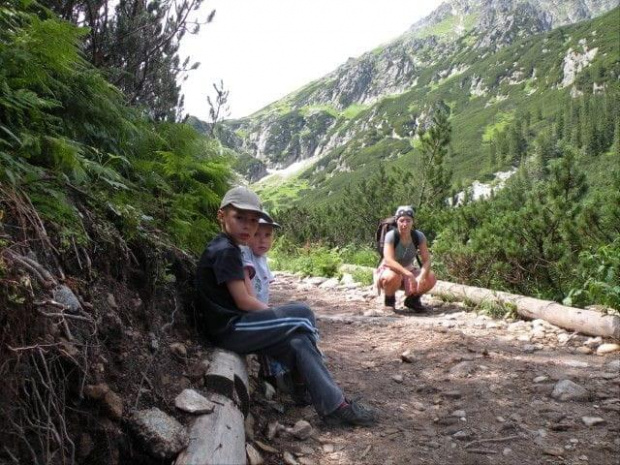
{"x":321,"y":120}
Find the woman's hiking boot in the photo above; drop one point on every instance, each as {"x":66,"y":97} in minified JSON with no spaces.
{"x":414,"y":303}
{"x":390,"y":301}
{"x":351,"y":413}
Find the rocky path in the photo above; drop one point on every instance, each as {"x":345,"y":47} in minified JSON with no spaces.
{"x":453,"y":387}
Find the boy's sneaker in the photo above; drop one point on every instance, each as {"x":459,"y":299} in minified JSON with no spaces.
{"x":413,"y":302}
{"x":351,"y":413}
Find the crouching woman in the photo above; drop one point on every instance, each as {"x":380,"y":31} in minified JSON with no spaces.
{"x":397,"y":270}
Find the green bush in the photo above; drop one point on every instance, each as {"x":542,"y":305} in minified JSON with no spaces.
{"x":363,"y":276}
{"x":599,"y":271}
{"x":311,"y":260}
{"x":359,"y":255}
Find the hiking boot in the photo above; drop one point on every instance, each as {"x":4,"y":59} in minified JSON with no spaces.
{"x":351,"y":413}
{"x":389,"y":301}
{"x":413,"y":302}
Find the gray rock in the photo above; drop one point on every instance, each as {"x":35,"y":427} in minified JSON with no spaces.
{"x":575,"y":364}
{"x":374,"y":312}
{"x":593,"y":421}
{"x":272,"y":429}
{"x":112,"y":301}
{"x":270,"y":391}
{"x":530,"y":348}
{"x":306,"y":461}
{"x":566,"y":390}
{"x":254,"y":455}
{"x":289,"y":459}
{"x":463,"y":369}
{"x":113,"y":404}
{"x":563,"y":338}
{"x":407,"y":356}
{"x":329,"y":284}
{"x":315,"y":280}
{"x":178,"y":349}
{"x":301,"y":430}
{"x":162,"y":436}
{"x":594,"y":341}
{"x":614,"y":365}
{"x":452,"y":394}
{"x":607,"y":348}
{"x":583,"y":350}
{"x":249,"y":425}
{"x":192,"y":402}
{"x":63,"y":295}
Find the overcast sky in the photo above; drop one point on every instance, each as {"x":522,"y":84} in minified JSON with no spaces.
{"x":265,"y":49}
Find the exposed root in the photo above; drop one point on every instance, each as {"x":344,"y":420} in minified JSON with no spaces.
{"x":43,"y":276}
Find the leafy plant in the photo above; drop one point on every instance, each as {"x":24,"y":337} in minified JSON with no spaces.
{"x":311,"y":260}
{"x":362,"y":276}
{"x":600,"y":272}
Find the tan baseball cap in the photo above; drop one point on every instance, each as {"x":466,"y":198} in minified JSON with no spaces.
{"x":244,"y":199}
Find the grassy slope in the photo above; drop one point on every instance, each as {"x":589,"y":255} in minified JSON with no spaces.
{"x":474,"y":117}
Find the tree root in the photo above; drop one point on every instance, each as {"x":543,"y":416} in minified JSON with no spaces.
{"x":43,"y":276}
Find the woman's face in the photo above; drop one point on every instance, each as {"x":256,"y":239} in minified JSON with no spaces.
{"x":404,"y":223}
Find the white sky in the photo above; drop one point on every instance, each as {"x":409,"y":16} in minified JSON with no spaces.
{"x":266,"y":49}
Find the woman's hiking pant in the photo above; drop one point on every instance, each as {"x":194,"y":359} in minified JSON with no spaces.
{"x":288,"y":334}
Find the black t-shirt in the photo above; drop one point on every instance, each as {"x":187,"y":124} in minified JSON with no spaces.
{"x":219,"y":263}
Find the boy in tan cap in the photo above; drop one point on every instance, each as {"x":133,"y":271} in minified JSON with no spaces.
{"x":236,"y":320}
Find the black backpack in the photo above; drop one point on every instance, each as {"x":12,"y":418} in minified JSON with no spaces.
{"x":385,"y":226}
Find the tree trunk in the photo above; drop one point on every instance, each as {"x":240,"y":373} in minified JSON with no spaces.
{"x":584,"y":321}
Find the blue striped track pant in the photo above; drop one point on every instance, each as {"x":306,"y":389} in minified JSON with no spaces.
{"x":288,"y":334}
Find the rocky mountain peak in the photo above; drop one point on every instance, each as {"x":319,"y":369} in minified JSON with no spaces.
{"x":321,"y":117}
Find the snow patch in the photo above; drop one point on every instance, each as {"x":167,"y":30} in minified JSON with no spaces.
{"x":290,"y":170}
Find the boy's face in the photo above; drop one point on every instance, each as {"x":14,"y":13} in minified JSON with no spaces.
{"x":262,"y":240}
{"x":241,"y":225}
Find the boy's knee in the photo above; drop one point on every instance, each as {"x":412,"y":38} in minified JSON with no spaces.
{"x":299,"y":342}
{"x":303,"y":311}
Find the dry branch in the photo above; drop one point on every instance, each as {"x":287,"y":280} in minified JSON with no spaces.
{"x":480,"y":441}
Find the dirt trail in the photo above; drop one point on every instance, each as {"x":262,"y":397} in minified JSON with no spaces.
{"x":471,"y":391}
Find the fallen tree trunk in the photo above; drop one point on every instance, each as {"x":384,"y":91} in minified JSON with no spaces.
{"x":228,"y":376}
{"x":584,"y":321}
{"x":216,"y":438}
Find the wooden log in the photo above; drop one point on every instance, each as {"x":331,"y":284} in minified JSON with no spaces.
{"x":228,"y":376}
{"x":575,"y":319}
{"x":216,"y":438}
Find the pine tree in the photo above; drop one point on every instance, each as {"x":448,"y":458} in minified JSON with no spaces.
{"x":436,"y":180}
{"x":136,"y":44}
